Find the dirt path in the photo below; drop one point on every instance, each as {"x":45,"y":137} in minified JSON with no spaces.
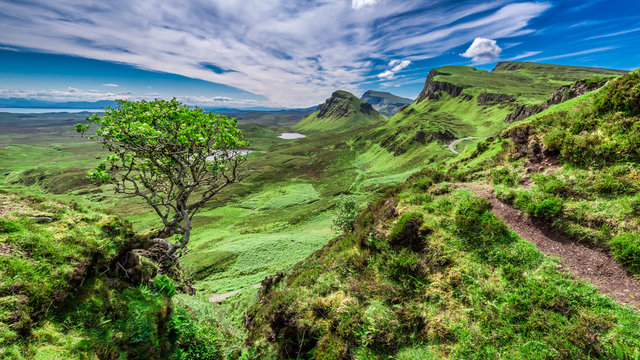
{"x":452,"y":146}
{"x":220,"y":297}
{"x":578,"y":259}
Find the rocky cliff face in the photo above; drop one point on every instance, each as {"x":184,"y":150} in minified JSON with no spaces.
{"x":488,"y":98}
{"x":336,"y":106}
{"x":434,"y":89}
{"x":561,"y":95}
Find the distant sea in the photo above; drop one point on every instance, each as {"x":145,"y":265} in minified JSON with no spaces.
{"x":42,"y":111}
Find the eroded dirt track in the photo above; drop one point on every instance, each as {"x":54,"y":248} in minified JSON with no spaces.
{"x":578,"y":259}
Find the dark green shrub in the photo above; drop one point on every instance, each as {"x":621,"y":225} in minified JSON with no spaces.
{"x":345,"y":216}
{"x":634,"y":205}
{"x":626,"y":249}
{"x":622,"y":94}
{"x":193,"y":340}
{"x":404,"y":268}
{"x":504,"y":176}
{"x":408,"y":232}
{"x":548,"y":208}
{"x":163,"y":285}
{"x":425,"y":178}
{"x":475,"y":223}
{"x":8,"y":226}
{"x":550,"y":184}
{"x":554,"y":139}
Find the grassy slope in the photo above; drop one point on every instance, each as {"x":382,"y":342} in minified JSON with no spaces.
{"x":448,"y":118}
{"x":593,"y":188}
{"x":343,"y":111}
{"x":430,"y":272}
{"x":52,"y":304}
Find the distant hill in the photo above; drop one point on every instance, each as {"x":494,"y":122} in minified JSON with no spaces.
{"x":341,"y":111}
{"x":271,"y":118}
{"x":385,"y":103}
{"x":42,"y":104}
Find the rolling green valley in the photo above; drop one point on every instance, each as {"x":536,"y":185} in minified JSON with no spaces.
{"x":342,"y":180}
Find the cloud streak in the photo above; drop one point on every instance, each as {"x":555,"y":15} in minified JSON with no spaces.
{"x":295,"y":53}
{"x":577,"y":53}
{"x":76,"y":94}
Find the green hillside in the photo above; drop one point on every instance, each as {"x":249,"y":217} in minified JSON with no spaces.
{"x":461,"y":101}
{"x":437,"y":268}
{"x":412,"y":281}
{"x":385,"y":103}
{"x":341,"y":111}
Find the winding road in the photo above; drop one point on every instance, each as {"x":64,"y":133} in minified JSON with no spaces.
{"x":219,"y":297}
{"x":453,"y":144}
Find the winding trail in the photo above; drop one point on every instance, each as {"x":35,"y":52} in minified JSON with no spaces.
{"x":582,"y":261}
{"x":452,"y":146}
{"x":219,"y":297}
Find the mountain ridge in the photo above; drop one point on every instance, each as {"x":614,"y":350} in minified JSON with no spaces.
{"x":385,"y":103}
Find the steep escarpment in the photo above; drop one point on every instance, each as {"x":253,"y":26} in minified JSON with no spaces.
{"x":461,"y":101}
{"x":341,"y":111}
{"x":433,"y":89}
{"x":561,"y":95}
{"x":385,"y":103}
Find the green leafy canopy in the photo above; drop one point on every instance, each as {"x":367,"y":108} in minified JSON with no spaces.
{"x":168,"y":154}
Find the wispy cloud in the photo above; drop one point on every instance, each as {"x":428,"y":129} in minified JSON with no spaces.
{"x":110,"y":85}
{"x":295,"y":53}
{"x":396,"y":66}
{"x":578,"y":53}
{"x":524,"y":55}
{"x":613,"y":34}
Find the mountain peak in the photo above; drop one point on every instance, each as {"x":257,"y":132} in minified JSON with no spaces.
{"x":340,"y":111}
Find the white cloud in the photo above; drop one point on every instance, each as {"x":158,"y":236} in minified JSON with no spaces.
{"x":483,"y":51}
{"x":388,"y":74}
{"x":292,"y":53}
{"x":396,"y":66}
{"x":403,"y":64}
{"x":110,"y":85}
{"x":357,"y":4}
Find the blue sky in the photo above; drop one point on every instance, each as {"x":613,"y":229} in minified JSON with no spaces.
{"x":290,"y":53}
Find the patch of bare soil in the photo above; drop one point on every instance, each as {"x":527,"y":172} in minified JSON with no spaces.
{"x":580,"y":260}
{"x":5,"y":249}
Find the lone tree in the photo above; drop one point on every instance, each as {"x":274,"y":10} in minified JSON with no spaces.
{"x":174,"y":157}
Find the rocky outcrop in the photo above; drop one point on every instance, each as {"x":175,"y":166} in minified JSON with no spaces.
{"x":507,"y":66}
{"x":524,"y":111}
{"x":434,"y":89}
{"x":488,"y":98}
{"x":336,"y":106}
{"x":561,"y":95}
